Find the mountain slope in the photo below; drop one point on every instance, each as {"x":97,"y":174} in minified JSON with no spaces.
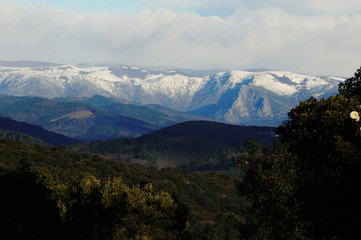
{"x":261,"y":98}
{"x":238,"y":97}
{"x":205,"y":145}
{"x":194,"y":145}
{"x":227,"y":134}
{"x":72,"y":119}
{"x":95,"y":118}
{"x":14,"y":128}
{"x":154,"y":114}
{"x":19,"y":136}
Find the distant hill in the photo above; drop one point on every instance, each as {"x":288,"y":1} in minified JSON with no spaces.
{"x":155,"y":114}
{"x":29,"y":133}
{"x":27,"y":64}
{"x":72,"y":119}
{"x":19,"y":136}
{"x":227,"y":134}
{"x":206,"y":145}
{"x":193,"y":145}
{"x":94,"y":118}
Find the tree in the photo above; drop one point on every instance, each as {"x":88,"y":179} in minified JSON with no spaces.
{"x":327,"y":143}
{"x":352,"y":86}
{"x":272,"y":182}
{"x":306,"y":186}
{"x":27,"y":210}
{"x":83,"y":215}
{"x":112,"y":210}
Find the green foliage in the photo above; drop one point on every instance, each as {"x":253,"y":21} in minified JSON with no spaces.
{"x":320,"y":127}
{"x":37,"y":206}
{"x":352,"y":86}
{"x":148,"y":148}
{"x":327,"y":143}
{"x":306,"y":186}
{"x":98,"y":191}
{"x":65,"y":164}
{"x":111,"y":210}
{"x":220,"y":161}
{"x":272,"y":181}
{"x":26,"y":208}
{"x":24,"y":131}
{"x":195,"y":146}
{"x":18,"y":136}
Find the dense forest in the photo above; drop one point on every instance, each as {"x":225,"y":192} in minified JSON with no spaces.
{"x":196,"y":205}
{"x":192,"y":145}
{"x":304,"y":186}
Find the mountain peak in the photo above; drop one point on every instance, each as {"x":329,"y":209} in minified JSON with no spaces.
{"x":240,"y":97}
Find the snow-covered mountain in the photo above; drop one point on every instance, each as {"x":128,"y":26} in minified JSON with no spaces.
{"x":240,"y":97}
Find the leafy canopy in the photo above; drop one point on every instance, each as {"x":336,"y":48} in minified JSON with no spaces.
{"x":306,"y":185}
{"x":352,"y":86}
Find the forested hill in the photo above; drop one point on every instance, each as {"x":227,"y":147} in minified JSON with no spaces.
{"x":91,"y":118}
{"x":195,"y":145}
{"x":19,"y":136}
{"x":227,"y":134}
{"x":35,"y":131}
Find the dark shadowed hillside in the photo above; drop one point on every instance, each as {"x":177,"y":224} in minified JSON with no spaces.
{"x":205,"y":145}
{"x":34,"y":131}
{"x":195,"y":145}
{"x":230,"y":135}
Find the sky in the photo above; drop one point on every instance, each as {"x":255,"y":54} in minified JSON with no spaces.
{"x":318,"y":37}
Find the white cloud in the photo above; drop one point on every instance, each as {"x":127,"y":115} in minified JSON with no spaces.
{"x":169,"y":3}
{"x":226,"y":7}
{"x":335,"y":5}
{"x":259,"y":38}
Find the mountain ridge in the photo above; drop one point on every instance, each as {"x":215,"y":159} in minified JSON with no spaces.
{"x":238,"y":97}
{"x":96,"y":118}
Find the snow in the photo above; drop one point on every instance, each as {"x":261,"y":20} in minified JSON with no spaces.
{"x":158,"y":87}
{"x":239,"y":76}
{"x":314,"y":82}
{"x":270,"y":83}
{"x":106,"y":75}
{"x":294,"y":77}
{"x":172,"y":86}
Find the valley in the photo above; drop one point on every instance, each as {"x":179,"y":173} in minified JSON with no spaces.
{"x":194,"y":157}
{"x":166,"y":117}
